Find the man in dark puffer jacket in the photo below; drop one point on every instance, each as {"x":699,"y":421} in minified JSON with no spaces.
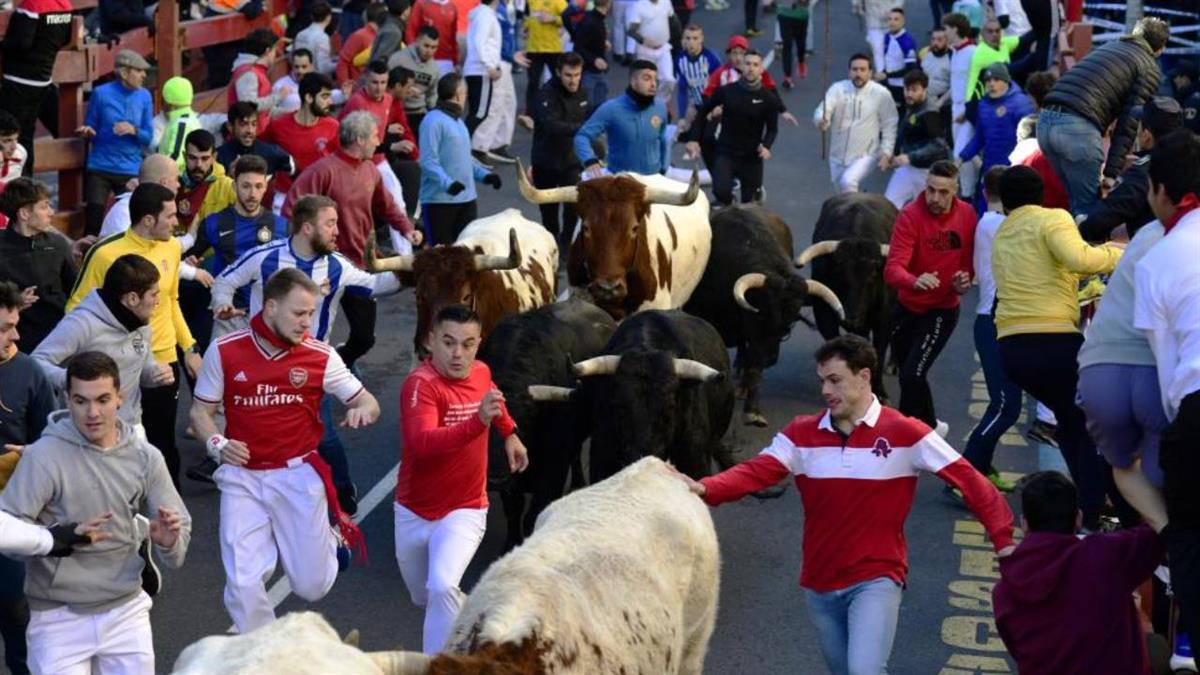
{"x":1102,"y":88}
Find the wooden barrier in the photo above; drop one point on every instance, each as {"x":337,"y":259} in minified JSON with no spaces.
{"x":1074,"y":43}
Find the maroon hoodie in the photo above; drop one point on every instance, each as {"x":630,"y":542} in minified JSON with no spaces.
{"x":1065,"y":605}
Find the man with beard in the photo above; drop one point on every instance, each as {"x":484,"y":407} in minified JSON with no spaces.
{"x":243,"y":140}
{"x":935,"y":62}
{"x":312,"y":248}
{"x":861,"y":116}
{"x":635,"y":124}
{"x":203,"y":188}
{"x":308,"y":134}
{"x":276,"y":492}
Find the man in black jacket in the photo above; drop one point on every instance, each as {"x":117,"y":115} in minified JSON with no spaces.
{"x":1126,"y":204}
{"x":35,"y":257}
{"x":562,"y":107}
{"x":35,"y":34}
{"x":1101,"y":89}
{"x":591,"y":37}
{"x":749,"y":121}
{"x":920,"y":141}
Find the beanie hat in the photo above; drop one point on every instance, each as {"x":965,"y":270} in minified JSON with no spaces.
{"x":177,"y":91}
{"x":996,"y":71}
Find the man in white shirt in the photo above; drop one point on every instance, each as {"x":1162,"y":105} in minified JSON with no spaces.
{"x":287,"y":88}
{"x":482,"y":65}
{"x":650,"y":28}
{"x":315,"y":38}
{"x":1167,"y":307}
{"x":862,"y":116}
{"x":962,"y":50}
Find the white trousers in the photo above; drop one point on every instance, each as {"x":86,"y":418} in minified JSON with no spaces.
{"x":496,"y":130}
{"x":117,"y":641}
{"x":391,"y":183}
{"x":905,"y":184}
{"x":875,"y":40}
{"x":269,"y":516}
{"x":661,"y":58}
{"x":846,"y":175}
{"x":622,"y":44}
{"x":433,"y":555}
{"x":968,"y":173}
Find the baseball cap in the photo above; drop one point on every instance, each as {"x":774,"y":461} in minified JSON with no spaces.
{"x":996,"y":71}
{"x":1160,"y":115}
{"x":737,"y":41}
{"x":130,"y":59}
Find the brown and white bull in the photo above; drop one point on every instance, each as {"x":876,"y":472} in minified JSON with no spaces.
{"x":499,"y":265}
{"x":642,"y":242}
{"x":620,"y":577}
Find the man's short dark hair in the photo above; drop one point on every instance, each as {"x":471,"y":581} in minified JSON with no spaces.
{"x":958,"y":22}
{"x":991,"y":181}
{"x":448,"y":86}
{"x":377,"y":67}
{"x":457,"y":314}
{"x":376,"y":13}
{"x":92,"y":366}
{"x":943,"y":168}
{"x":131,"y":273}
{"x":283,"y":281}
{"x":250,"y":164}
{"x":148,"y":200}
{"x":305,"y":52}
{"x":399,"y":76}
{"x":752,"y":52}
{"x":859,"y":56}
{"x":10,"y":296}
{"x":397,"y":8}
{"x":570,"y":60}
{"x":897,"y":10}
{"x":313,"y":83}
{"x":240,"y":111}
{"x":1049,"y":502}
{"x":641,"y":64}
{"x":8,"y":124}
{"x":429,"y":32}
{"x":856,"y":351}
{"x":1021,"y":186}
{"x":201,"y":139}
{"x":21,"y":193}
{"x":258,"y":41}
{"x":320,"y":11}
{"x":1154,"y":31}
{"x":916,"y":77}
{"x":1038,"y":84}
{"x":1174,"y":164}
{"x":306,"y":208}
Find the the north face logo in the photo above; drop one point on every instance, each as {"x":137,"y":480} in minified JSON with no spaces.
{"x":882,"y":448}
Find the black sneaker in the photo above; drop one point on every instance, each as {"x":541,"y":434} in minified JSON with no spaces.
{"x":348,"y":499}
{"x":1042,"y":432}
{"x":202,"y":471}
{"x":151,"y":577}
{"x":500,"y":155}
{"x":482,"y":159}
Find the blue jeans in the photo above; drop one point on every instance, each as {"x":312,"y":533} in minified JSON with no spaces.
{"x":1072,"y":145}
{"x":1004,"y":398}
{"x":331,"y":448}
{"x":856,"y":625}
{"x":596,"y":88}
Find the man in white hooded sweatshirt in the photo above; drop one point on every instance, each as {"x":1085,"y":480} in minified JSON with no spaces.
{"x":862,"y":116}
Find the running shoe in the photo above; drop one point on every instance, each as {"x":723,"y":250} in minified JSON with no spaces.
{"x":1042,"y":432}
{"x":1183,"y":660}
{"x":753,"y":32}
{"x":1000,"y":484}
{"x":151,"y":577}
{"x":501,"y":155}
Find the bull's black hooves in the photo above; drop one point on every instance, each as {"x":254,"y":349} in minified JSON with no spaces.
{"x":754,"y":420}
{"x":773,"y":492}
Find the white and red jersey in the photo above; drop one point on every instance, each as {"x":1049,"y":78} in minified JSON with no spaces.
{"x":857,"y":491}
{"x":272,"y":391}
{"x":444,"y":464}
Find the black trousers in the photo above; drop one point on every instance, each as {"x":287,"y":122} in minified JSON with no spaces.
{"x":750,"y":10}
{"x":24,"y":102}
{"x":479,"y":100}
{"x":443,"y":222}
{"x":360,"y":315}
{"x":563,"y":228}
{"x":917,"y":340}
{"x":160,"y":407}
{"x":794,"y":33}
{"x":1181,"y":467}
{"x":533,"y":78}
{"x":1046,"y":367}
{"x":747,"y":168}
{"x":97,"y":187}
{"x":14,"y":614}
{"x":1041,"y":24}
{"x":939,"y":8}
{"x":408,"y":173}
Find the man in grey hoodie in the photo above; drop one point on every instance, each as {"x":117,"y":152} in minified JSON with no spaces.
{"x":112,"y":319}
{"x":390,"y":38}
{"x":90,"y":609}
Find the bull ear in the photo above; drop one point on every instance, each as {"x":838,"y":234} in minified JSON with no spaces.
{"x":351,"y":638}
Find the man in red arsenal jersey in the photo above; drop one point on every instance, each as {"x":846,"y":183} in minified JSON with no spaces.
{"x":308,"y":134}
{"x":277,"y":494}
{"x":447,"y":406}
{"x":855,"y":466}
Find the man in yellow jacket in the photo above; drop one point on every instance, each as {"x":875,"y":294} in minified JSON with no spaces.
{"x":544,"y":45}
{"x":1038,"y":257}
{"x":152,"y":215}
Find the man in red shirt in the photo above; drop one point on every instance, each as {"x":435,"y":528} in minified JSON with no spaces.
{"x":447,"y":406}
{"x":375,"y":97}
{"x":308,"y":134}
{"x":277,"y":494}
{"x":358,"y":42}
{"x":856,"y":467}
{"x":930,"y":264}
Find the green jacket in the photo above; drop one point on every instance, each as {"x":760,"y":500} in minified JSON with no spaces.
{"x":180,"y":123}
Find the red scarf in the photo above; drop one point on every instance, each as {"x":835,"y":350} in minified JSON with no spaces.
{"x":260,"y":327}
{"x":1185,"y":206}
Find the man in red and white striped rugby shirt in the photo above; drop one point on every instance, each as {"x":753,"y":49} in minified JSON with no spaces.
{"x":856,"y":466}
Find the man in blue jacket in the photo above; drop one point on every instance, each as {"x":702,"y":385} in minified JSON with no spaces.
{"x":120,"y":125}
{"x":636,"y":126}
{"x":1000,"y":112}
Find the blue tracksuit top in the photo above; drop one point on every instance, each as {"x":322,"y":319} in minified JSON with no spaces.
{"x":445,"y":158}
{"x":637,"y":139}
{"x":113,"y":102}
{"x":996,"y":129}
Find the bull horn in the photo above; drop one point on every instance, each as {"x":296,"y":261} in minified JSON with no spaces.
{"x":825,"y":293}
{"x":745,"y":283}
{"x":502,"y":262}
{"x":673,"y":198}
{"x":597,"y":365}
{"x":884,"y":248}
{"x":816,"y":250}
{"x":352,"y":638}
{"x":545,"y":392}
{"x":558,"y":195}
{"x":687,"y":369}
{"x":398,"y":263}
{"x":401,"y":663}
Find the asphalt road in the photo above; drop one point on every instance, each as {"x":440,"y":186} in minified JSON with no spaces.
{"x":762,"y":625}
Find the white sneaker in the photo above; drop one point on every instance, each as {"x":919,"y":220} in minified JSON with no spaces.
{"x":942,"y":429}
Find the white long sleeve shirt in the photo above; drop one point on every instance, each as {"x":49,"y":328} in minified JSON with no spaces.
{"x":861,"y":120}
{"x":483,"y":41}
{"x":960,"y":72}
{"x":316,"y":40}
{"x":23,"y":539}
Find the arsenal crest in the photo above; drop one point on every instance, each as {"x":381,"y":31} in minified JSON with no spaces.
{"x":297,"y":376}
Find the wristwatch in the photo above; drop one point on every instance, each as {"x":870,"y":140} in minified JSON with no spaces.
{"x":216,"y":443}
